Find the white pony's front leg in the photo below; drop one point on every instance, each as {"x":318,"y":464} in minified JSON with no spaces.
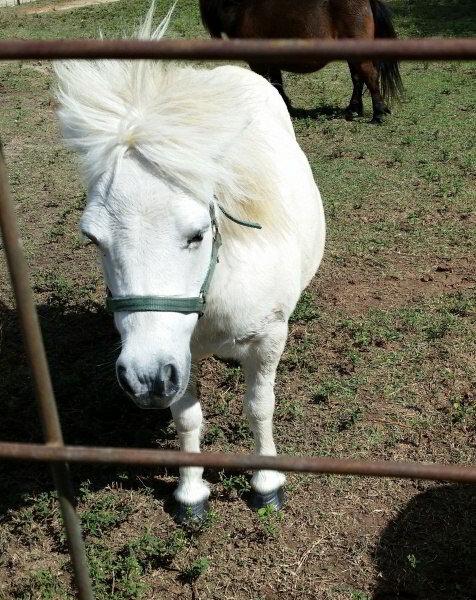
{"x":260,"y":373}
{"x":192,"y":491}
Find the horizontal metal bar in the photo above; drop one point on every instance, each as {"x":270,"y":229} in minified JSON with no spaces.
{"x":173,"y":458}
{"x":269,"y":51}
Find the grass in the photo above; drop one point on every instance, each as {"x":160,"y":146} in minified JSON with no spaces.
{"x":42,"y":583}
{"x":269,"y":519}
{"x":380,"y":361}
{"x":196,"y":569}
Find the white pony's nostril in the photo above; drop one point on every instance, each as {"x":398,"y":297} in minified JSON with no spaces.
{"x":123,"y":381}
{"x":166,"y":384}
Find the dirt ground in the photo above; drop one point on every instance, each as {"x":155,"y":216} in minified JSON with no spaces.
{"x":380,"y":362}
{"x":60,"y":6}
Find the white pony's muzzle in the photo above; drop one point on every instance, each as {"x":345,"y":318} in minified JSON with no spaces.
{"x":154,"y":365}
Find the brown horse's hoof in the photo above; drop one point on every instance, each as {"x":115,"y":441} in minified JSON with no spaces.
{"x":184,"y":513}
{"x":353,"y":111}
{"x":379,"y":116}
{"x":274,"y":499}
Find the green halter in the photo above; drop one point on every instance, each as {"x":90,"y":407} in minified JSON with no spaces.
{"x":170,"y":303}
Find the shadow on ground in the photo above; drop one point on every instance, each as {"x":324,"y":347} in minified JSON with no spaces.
{"x":429,"y":550}
{"x":320,"y":113}
{"x":437,"y":18}
{"x":82,"y":346}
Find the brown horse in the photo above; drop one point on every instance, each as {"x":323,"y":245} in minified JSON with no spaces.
{"x":358,"y":19}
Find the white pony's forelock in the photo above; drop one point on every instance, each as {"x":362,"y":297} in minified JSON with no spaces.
{"x":187,"y":122}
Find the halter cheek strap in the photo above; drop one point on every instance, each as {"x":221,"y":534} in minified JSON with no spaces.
{"x":171,"y":303}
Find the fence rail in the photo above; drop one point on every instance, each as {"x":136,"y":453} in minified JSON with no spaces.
{"x":173,"y":458}
{"x":269,"y":51}
{"x":54,"y":451}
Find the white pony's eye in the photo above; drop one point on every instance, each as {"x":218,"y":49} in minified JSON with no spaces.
{"x":196,"y":239}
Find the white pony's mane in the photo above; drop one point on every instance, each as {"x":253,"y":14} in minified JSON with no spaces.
{"x":194,"y":126}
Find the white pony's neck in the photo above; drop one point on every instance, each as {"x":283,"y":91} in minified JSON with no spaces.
{"x":198,"y":128}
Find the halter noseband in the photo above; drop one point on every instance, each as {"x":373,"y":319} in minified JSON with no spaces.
{"x":171,"y":303}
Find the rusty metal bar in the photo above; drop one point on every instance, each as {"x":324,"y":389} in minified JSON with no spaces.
{"x":268,"y":51}
{"x":173,"y":458}
{"x":42,"y":381}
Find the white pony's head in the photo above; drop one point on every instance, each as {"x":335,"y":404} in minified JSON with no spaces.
{"x":155,"y":240}
{"x":158,"y":142}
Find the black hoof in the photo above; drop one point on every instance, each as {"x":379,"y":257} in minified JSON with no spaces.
{"x":377,"y":120}
{"x":349,"y":115}
{"x":274,"y":498}
{"x":185,"y":513}
{"x":353,"y":111}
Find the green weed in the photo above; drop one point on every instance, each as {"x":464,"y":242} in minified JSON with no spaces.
{"x":105,"y":512}
{"x":151,"y":550}
{"x":239,"y":433}
{"x":120,"y":574}
{"x":32,"y":521}
{"x":289,"y":409}
{"x":334,"y":388}
{"x":270,"y":519}
{"x":305,"y":310}
{"x":115,"y":576}
{"x":463,"y":410}
{"x":376,"y":330}
{"x":347,"y":419}
{"x":196,"y":569}
{"x":358,"y":595}
{"x":237,"y":484}
{"x":44,"y":585}
{"x":213,"y":434}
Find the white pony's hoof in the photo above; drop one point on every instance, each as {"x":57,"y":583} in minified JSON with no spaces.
{"x":191,"y":512}
{"x":274,"y":498}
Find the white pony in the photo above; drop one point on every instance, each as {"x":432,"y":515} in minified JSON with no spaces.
{"x":170,"y":153}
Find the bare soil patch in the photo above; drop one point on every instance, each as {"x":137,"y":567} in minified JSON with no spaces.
{"x":61,"y":6}
{"x":355,"y":289}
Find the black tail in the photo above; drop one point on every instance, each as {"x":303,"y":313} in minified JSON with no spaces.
{"x":391,"y":81}
{"x":220,"y":16}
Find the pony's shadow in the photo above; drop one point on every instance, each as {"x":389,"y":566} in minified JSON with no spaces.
{"x":445,"y":17}
{"x":324,"y":113}
{"x":81,"y":346}
{"x":428,"y":551}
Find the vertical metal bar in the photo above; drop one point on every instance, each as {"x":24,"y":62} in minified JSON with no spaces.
{"x":42,"y":381}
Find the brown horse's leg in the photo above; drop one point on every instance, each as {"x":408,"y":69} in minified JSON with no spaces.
{"x":274,"y":76}
{"x":356,"y":106}
{"x":369,"y":73}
